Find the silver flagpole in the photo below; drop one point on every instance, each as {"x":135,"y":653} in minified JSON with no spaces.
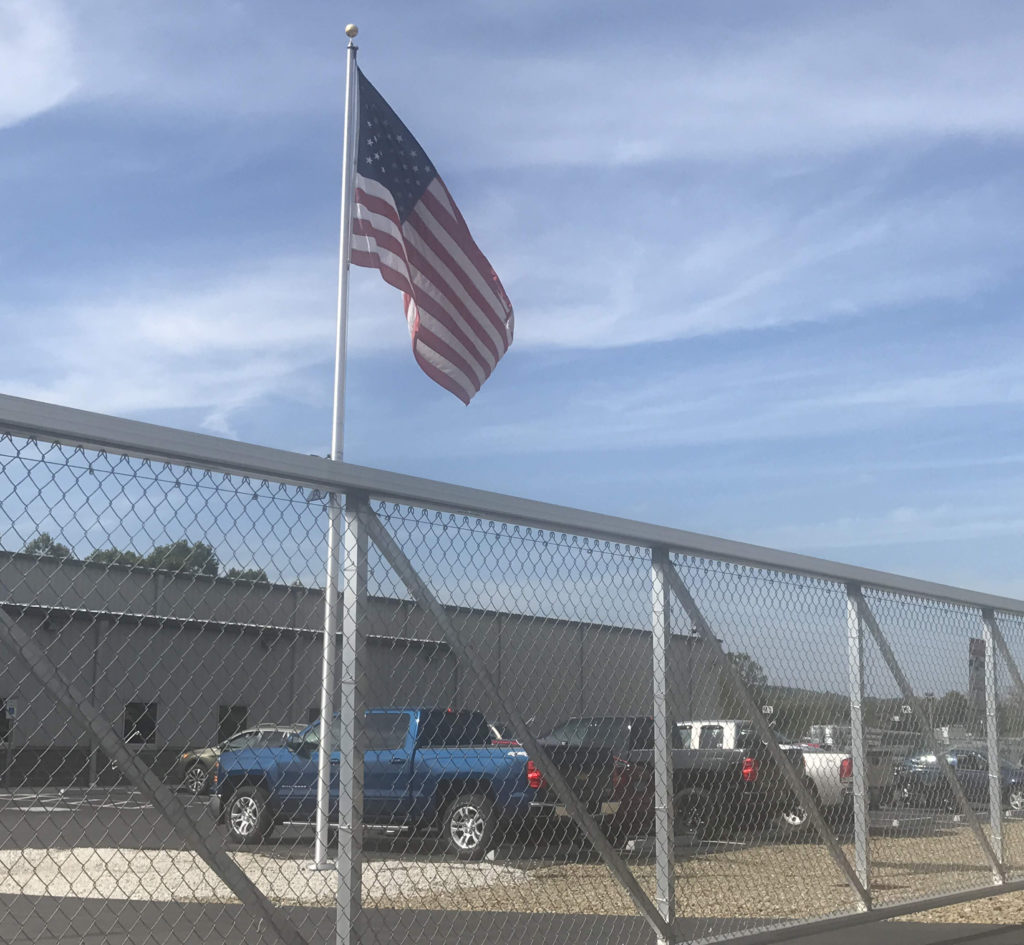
{"x":331,"y":597}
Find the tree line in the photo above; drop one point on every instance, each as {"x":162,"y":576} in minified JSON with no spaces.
{"x":794,"y":710}
{"x":182,"y":556}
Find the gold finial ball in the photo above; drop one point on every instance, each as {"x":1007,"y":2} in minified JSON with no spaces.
{"x":351,"y":31}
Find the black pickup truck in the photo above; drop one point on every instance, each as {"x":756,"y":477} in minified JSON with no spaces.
{"x":610,"y":762}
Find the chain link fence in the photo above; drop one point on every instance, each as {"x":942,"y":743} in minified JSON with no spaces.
{"x":571,"y":729}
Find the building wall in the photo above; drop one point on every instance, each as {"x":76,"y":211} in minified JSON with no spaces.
{"x":192,"y":645}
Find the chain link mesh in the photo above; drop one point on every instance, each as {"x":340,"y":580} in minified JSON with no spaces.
{"x":186,"y":607}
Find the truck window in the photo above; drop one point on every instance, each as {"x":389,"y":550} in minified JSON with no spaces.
{"x":591,"y":733}
{"x":711,"y":736}
{"x":685,"y":735}
{"x":385,"y":731}
{"x":451,"y":729}
{"x":641,"y":736}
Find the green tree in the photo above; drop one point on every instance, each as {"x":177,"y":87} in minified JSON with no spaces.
{"x":182,"y":555}
{"x":754,"y":680}
{"x":256,"y":575}
{"x":44,"y":546}
{"x":113,"y":556}
{"x":953,"y":709}
{"x":750,"y":671}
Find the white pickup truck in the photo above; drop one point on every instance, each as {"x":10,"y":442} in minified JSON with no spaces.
{"x":822,"y":767}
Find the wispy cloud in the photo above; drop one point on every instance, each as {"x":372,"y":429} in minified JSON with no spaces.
{"x":215,"y":342}
{"x":769,"y":265}
{"x":36,"y":58}
{"x":899,"y":526}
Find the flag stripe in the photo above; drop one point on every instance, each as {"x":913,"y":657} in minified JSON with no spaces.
{"x":461,"y":348}
{"x":449,"y":305}
{"x":450,"y":264}
{"x":432,"y":273}
{"x":438,"y":374}
{"x":439,"y":202}
{"x":428,"y":339}
{"x":461,"y":354}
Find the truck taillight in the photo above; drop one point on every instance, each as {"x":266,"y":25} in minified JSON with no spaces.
{"x":750,"y":769}
{"x":533,"y":776}
{"x":845,"y":769}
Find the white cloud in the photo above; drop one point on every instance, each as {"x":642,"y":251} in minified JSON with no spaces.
{"x":765,"y":265}
{"x":899,"y":526}
{"x":189,"y":340}
{"x":36,"y":58}
{"x":828,"y":85}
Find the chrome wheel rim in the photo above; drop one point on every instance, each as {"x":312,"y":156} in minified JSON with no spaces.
{"x":795,"y":816}
{"x":1017,"y":800}
{"x":195,"y":779}
{"x":244,"y":815}
{"x":467,"y":827}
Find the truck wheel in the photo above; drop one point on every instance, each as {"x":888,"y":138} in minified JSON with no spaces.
{"x":468,"y":826}
{"x":693,"y":815}
{"x":794,"y":819}
{"x":1014,"y":798}
{"x":247,"y":815}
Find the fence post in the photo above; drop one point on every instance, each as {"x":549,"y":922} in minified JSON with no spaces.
{"x":664,"y":806}
{"x":995,"y":787}
{"x":921,"y":716}
{"x":785,"y":766}
{"x":327,"y":682}
{"x":858,"y":747}
{"x":1011,"y":663}
{"x":351,"y":710}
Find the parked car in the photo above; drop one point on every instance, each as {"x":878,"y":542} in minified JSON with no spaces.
{"x":423,"y":768}
{"x":194,"y":766}
{"x":819,"y":767}
{"x":920,"y":783}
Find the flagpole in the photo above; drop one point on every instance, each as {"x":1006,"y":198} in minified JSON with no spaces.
{"x":334,"y":530}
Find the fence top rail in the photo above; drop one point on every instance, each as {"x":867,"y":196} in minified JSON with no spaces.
{"x":94,"y":431}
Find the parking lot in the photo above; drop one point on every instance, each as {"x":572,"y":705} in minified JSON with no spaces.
{"x":108,"y":844}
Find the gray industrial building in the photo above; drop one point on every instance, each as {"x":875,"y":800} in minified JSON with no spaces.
{"x":176,"y":659}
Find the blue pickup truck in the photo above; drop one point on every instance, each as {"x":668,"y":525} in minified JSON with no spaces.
{"x":422,"y":768}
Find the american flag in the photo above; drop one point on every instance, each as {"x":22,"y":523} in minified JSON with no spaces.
{"x":407,"y":226}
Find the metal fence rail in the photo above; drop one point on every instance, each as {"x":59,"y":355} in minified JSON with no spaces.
{"x":549,"y":722}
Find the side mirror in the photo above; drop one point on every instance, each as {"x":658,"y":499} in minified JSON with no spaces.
{"x":293,"y":742}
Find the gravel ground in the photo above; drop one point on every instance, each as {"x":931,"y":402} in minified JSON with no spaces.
{"x":776,"y":881}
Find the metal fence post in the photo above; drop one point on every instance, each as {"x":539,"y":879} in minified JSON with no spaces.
{"x":327,"y":683}
{"x":995,"y":787}
{"x":858,"y":747}
{"x":351,"y":709}
{"x":416,"y":586}
{"x":793,"y":779}
{"x":921,"y":716}
{"x":664,"y":806}
{"x":1004,"y":650}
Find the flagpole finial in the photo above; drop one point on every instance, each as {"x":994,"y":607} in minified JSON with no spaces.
{"x":351,"y":31}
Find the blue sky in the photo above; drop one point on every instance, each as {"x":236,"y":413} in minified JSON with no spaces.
{"x":766,"y":260}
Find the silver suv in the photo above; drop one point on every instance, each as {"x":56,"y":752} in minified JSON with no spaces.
{"x":193,"y":767}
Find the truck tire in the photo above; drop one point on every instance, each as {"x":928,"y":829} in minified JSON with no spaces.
{"x":248,"y":816}
{"x":468,"y":825}
{"x":794,"y":820}
{"x":694,"y":816}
